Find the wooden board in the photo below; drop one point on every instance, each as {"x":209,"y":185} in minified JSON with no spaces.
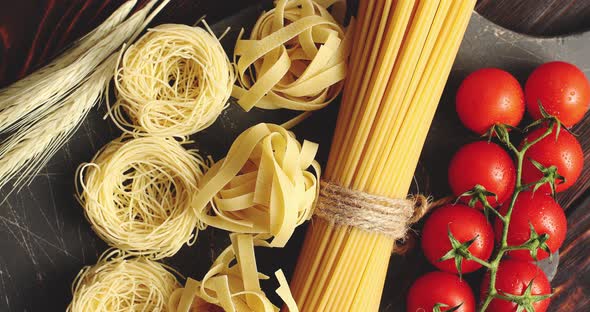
{"x":46,"y":240}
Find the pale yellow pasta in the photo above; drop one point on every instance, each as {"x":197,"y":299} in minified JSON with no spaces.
{"x":174,"y":81}
{"x":232,"y":283}
{"x":262,"y":186}
{"x":137,"y":195}
{"x":401,"y":58}
{"x":281,"y":66}
{"x":121,"y":283}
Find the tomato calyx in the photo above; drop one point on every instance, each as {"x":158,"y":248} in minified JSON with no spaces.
{"x":501,"y":131}
{"x":439,"y":305}
{"x":525,"y":301}
{"x":460,"y":251}
{"x":479,"y":194}
{"x":548,"y":119}
{"x":534,"y":243}
{"x":550,"y":177}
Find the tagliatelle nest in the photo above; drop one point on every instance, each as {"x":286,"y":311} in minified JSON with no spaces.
{"x":137,"y":195}
{"x":262,"y":186}
{"x":296,"y":57}
{"x":232,"y":283}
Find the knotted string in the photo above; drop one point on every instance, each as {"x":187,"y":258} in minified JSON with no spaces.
{"x":372,"y":213}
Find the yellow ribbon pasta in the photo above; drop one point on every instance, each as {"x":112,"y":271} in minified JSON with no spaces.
{"x":120,"y":283}
{"x":262,"y":186}
{"x":137,"y":195}
{"x":233,"y":287}
{"x":281,"y":66}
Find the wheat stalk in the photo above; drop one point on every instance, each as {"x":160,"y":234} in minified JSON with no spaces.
{"x":26,"y":104}
{"x":32,"y":146}
{"x":23,"y":89}
{"x":52,"y":109}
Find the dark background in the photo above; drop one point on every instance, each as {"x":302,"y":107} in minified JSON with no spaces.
{"x":31,"y":31}
{"x":43,"y":235}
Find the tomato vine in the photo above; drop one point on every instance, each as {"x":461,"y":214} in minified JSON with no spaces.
{"x":535,"y":242}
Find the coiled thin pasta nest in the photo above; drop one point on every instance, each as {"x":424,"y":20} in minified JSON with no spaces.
{"x":119,"y":282}
{"x":174,"y":81}
{"x":137,"y":195}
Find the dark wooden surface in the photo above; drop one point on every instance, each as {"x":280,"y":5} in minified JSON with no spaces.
{"x":32,"y":31}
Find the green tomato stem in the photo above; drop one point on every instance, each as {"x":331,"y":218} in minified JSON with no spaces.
{"x":478,"y":260}
{"x":518,"y":188}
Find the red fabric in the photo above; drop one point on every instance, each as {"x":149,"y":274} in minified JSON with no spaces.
{"x":33,"y":31}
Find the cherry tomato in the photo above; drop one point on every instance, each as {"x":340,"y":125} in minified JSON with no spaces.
{"x":443,"y":288}
{"x":465,"y":224}
{"x":513,"y":277}
{"x":562,"y":89}
{"x":543,"y":213}
{"x":489,"y":96}
{"x":486,"y":164}
{"x":565,"y":153}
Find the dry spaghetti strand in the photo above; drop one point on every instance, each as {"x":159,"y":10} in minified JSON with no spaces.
{"x":174,"y":81}
{"x":400,"y":62}
{"x":137,"y":195}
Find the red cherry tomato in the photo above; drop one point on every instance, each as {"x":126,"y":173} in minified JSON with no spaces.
{"x":486,"y":164}
{"x":513,"y":278}
{"x":489,"y":96}
{"x":562,"y":89}
{"x":465,"y":223}
{"x":565,"y":153}
{"x":543,"y":213}
{"x":440,"y":287}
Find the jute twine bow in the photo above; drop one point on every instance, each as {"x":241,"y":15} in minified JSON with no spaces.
{"x":369,"y":212}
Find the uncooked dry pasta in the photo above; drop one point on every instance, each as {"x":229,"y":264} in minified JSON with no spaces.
{"x":118,"y":282}
{"x":137,"y":195}
{"x":401,"y":59}
{"x":262,"y":186}
{"x":174,"y":81}
{"x":232,"y":283}
{"x":280,"y":65}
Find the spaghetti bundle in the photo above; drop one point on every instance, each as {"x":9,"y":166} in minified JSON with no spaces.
{"x":281,"y":66}
{"x":232,"y":283}
{"x":137,"y":195}
{"x":262,"y":186}
{"x":174,"y":81}
{"x":118,"y":282}
{"x":401,"y":59}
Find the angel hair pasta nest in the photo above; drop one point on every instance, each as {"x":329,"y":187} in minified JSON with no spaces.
{"x":118,"y":282}
{"x":137,"y":195}
{"x":174,"y":81}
